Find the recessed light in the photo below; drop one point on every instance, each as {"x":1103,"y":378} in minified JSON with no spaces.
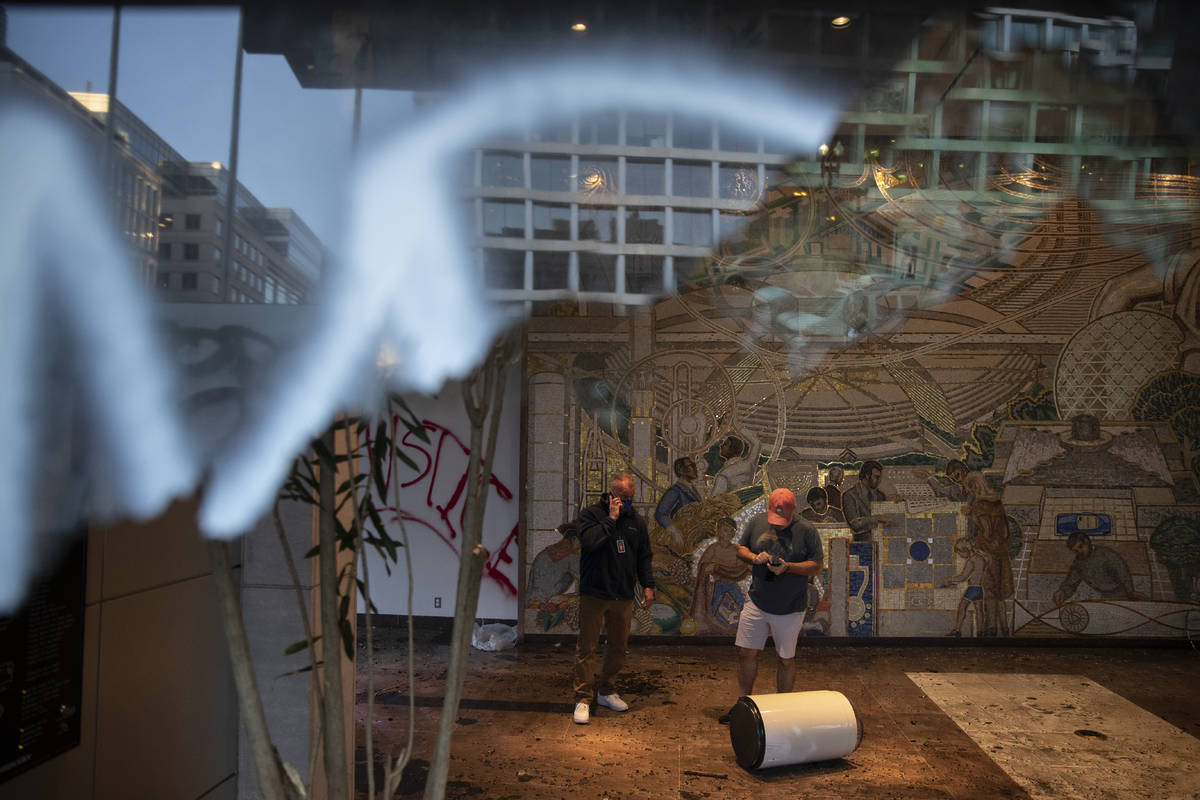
{"x":579,"y":27}
{"x":840,"y":22}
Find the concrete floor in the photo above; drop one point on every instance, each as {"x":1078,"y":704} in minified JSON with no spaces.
{"x":515,"y":737}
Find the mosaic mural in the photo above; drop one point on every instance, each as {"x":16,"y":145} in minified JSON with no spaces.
{"x":1014,"y":338}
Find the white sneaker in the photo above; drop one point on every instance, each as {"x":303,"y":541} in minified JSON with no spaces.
{"x":581,"y":713}
{"x":612,"y":701}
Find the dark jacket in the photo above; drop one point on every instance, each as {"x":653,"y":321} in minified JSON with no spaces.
{"x":613,"y":554}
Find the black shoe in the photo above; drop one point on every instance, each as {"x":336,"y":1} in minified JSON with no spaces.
{"x":724,"y":718}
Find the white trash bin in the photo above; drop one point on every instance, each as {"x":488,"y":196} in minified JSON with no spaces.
{"x":772,"y":730}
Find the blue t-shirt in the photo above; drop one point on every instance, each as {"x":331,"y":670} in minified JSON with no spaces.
{"x":786,"y":593}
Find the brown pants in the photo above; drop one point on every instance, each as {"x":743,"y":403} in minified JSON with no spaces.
{"x":594,"y":612}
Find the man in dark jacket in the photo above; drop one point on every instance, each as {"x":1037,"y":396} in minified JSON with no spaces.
{"x":614,"y":554}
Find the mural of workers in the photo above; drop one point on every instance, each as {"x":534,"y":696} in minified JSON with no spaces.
{"x":679,"y":494}
{"x":819,"y":510}
{"x":986,"y":512}
{"x":1100,"y":567}
{"x":717,"y":598}
{"x":974,"y":574}
{"x":857,"y":500}
{"x":741,"y":452}
{"x":833,"y":487}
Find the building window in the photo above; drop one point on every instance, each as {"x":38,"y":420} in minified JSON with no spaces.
{"x":597,"y":272}
{"x":191,"y":251}
{"x":598,"y":223}
{"x":220,"y":226}
{"x":188,"y":280}
{"x":644,"y":225}
{"x":269,"y":295}
{"x":504,"y":170}
{"x":164,"y":280}
{"x":691,"y":179}
{"x":215,"y":284}
{"x":504,"y":218}
{"x":646,"y":130}
{"x":164,"y":250}
{"x":550,"y":270}
{"x":552,"y":173}
{"x":597,"y":176}
{"x":643,"y":274}
{"x":504,"y":269}
{"x":732,"y":225}
{"x":691,"y":227}
{"x":551,"y":221}
{"x":217,"y":255}
{"x":738,"y":182}
{"x":191,"y":222}
{"x":645,"y":177}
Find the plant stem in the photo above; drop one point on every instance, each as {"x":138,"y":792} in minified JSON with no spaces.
{"x":336,"y":772}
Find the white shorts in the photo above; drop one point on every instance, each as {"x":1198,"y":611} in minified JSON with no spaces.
{"x":754,"y":624}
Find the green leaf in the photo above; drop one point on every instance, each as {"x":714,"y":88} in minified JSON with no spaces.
{"x":298,"y":671}
{"x":407,"y":461}
{"x":313,"y":551}
{"x":296,"y":647}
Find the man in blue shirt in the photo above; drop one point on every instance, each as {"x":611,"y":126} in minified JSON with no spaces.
{"x":677,"y":495}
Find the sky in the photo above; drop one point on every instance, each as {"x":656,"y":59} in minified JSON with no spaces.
{"x":175,"y":71}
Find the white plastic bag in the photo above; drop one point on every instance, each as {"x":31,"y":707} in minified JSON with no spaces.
{"x":493,"y":637}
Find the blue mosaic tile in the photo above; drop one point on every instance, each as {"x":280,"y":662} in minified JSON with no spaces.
{"x":919,"y":550}
{"x":860,"y":589}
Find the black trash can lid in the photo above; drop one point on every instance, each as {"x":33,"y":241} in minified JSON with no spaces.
{"x":746,"y":733}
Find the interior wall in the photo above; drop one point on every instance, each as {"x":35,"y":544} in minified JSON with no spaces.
{"x":159,"y":714}
{"x":431,"y":503}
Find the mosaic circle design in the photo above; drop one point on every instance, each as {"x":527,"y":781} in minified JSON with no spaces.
{"x":1105,"y":362}
{"x":1074,"y":618}
{"x":919,"y":550}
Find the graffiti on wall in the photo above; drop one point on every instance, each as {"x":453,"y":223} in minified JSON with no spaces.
{"x":441,"y":483}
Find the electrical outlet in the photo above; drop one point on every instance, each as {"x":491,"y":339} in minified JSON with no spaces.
{"x":437,"y":602}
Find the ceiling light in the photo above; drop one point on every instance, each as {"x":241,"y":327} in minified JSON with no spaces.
{"x":840,"y":22}
{"x":579,"y":27}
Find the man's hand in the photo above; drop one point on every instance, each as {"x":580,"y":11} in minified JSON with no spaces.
{"x":1059,"y":598}
{"x":614,"y":507}
{"x":885,"y":520}
{"x":779,"y":567}
{"x":647,"y":596}
{"x":761,"y":558}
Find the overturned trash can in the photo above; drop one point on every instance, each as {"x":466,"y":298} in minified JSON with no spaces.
{"x":772,"y":730}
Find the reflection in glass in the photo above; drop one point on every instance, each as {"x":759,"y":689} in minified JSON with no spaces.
{"x":597,"y":176}
{"x":503,"y":170}
{"x":551,"y":221}
{"x":598,"y":223}
{"x":644,"y":225}
{"x":503,"y":269}
{"x":550,"y":270}
{"x":645,"y":177}
{"x":691,"y":178}
{"x":504,"y":218}
{"x":690,"y":227}
{"x":552,"y":173}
